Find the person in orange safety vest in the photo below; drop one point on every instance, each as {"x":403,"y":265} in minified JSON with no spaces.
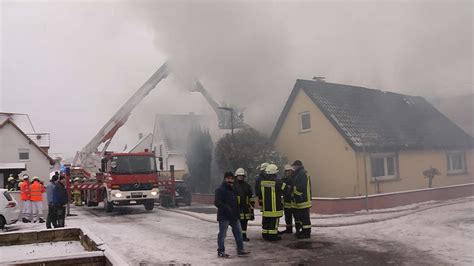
{"x":37,"y":190}
{"x":26,"y":199}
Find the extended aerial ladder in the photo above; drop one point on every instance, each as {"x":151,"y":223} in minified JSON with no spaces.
{"x":89,"y":157}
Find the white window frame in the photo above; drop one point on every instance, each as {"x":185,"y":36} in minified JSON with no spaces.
{"x":385,"y":176}
{"x":449,"y":157}
{"x":23,"y":151}
{"x":300,"y":119}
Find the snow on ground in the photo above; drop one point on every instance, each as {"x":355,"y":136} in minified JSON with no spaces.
{"x":40,"y":250}
{"x":428,"y":233}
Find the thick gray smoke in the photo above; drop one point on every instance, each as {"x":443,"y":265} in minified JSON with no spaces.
{"x":71,"y":65}
{"x":250,"y":54}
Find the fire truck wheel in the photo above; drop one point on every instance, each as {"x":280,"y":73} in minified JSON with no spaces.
{"x":108,"y":206}
{"x":149,"y":205}
{"x":91,"y":204}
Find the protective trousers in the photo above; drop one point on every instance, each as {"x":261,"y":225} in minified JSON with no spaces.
{"x":270,"y":228}
{"x":26,"y":210}
{"x":243,"y":224}
{"x":289,"y":214}
{"x":36,"y":209}
{"x":302,"y":221}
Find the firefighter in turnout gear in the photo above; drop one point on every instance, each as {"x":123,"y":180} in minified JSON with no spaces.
{"x":12,"y":184}
{"x":245,"y":200}
{"x":302,"y":196}
{"x":270,"y":192}
{"x":259,"y":178}
{"x":288,"y":199}
{"x":76,"y":193}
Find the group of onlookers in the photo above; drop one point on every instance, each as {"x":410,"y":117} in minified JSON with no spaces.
{"x":57,"y":198}
{"x":31,"y":195}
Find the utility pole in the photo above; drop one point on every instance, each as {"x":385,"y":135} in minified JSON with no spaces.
{"x":366,"y":182}
{"x":365,"y":173}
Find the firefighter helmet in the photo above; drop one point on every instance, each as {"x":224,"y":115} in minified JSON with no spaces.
{"x":288,"y":167}
{"x":263,"y":166}
{"x":36,"y":178}
{"x":25,"y":176}
{"x":240,"y":171}
{"x":271,"y":169}
{"x":11,"y":178}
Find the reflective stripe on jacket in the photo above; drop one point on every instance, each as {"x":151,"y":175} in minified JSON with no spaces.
{"x":245,"y":199}
{"x":36,"y":191}
{"x":302,"y":189}
{"x":288,"y":198}
{"x":271,"y":191}
{"x":25,"y":191}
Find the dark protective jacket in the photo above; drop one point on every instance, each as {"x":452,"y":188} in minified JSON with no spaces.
{"x":11,"y":186}
{"x":245,"y":199}
{"x":270,"y":192}
{"x":257,"y":186}
{"x":59,"y":195}
{"x":288,"y":198}
{"x":302,"y":189}
{"x":225,"y":200}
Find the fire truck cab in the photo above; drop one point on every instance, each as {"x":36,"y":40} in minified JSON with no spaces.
{"x":124,"y":179}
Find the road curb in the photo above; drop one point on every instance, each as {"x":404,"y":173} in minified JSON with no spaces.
{"x":370,"y":220}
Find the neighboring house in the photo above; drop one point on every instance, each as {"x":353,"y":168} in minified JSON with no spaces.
{"x":19,"y":152}
{"x":144,"y":143}
{"x":331,"y":126}
{"x":171,"y":135}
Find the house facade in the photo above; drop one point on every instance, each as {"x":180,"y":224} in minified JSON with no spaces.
{"x":20,"y":151}
{"x":346,"y":135}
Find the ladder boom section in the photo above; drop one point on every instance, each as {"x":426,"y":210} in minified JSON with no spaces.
{"x":225,"y":119}
{"x":121,"y":116}
{"x":198,"y":87}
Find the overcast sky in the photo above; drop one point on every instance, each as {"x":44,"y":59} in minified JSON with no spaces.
{"x":70,"y":66}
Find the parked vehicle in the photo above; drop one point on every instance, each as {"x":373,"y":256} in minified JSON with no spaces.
{"x":9,"y":211}
{"x":183,"y":193}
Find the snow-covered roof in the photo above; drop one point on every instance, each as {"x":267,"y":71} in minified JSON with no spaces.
{"x":21,"y":120}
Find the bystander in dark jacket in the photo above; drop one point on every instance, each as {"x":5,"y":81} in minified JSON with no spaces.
{"x":60,"y":199}
{"x":52,"y":215}
{"x":228,"y":213}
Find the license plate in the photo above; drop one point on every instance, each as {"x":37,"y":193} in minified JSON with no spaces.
{"x":136,"y":194}
{"x":133,"y":202}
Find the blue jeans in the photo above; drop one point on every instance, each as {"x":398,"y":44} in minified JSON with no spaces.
{"x":236,"y":231}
